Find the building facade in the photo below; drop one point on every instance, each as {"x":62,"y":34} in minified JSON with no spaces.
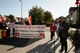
{"x":72,"y":17}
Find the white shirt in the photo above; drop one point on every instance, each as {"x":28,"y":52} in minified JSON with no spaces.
{"x":57,"y":25}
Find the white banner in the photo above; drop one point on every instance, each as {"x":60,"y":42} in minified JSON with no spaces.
{"x":11,"y":25}
{"x":30,"y":31}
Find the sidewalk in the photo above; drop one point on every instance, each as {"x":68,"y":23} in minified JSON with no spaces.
{"x":45,"y":46}
{"x":33,"y":45}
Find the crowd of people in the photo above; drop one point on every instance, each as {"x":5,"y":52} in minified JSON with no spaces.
{"x":61,"y":28}
{"x":5,"y":30}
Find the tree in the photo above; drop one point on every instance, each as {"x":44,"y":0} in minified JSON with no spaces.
{"x":11,"y":17}
{"x":37,"y":14}
{"x":26,"y":21}
{"x":48,"y":17}
{"x":78,"y":17}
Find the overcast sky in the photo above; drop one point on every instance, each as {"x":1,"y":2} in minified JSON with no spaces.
{"x":56,"y":7}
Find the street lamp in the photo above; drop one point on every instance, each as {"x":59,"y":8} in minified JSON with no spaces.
{"x":21,"y":8}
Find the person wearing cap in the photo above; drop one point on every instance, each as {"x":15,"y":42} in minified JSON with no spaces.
{"x":52,"y":29}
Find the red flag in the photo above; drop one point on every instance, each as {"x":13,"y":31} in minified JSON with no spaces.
{"x":4,"y":33}
{"x":77,"y":2}
{"x":1,"y":18}
{"x":42,"y":35}
{"x":30,"y":20}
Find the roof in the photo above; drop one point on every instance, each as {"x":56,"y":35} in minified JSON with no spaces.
{"x":18,"y":17}
{"x":6,"y":16}
{"x":72,"y":9}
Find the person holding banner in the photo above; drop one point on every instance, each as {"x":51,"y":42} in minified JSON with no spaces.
{"x":4,"y":30}
{"x":8,"y":29}
{"x":52,"y":29}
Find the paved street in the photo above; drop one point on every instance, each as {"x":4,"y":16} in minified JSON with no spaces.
{"x":33,"y":45}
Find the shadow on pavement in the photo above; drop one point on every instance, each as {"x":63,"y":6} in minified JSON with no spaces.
{"x":32,"y":41}
{"x":17,"y":42}
{"x":55,"y":47}
{"x":42,"y":48}
{"x":39,"y":48}
{"x":48,"y":48}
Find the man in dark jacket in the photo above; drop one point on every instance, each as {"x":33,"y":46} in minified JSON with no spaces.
{"x":63,"y":33}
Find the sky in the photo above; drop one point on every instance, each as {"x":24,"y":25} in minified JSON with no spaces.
{"x":56,"y":7}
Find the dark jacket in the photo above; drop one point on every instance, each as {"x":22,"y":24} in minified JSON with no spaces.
{"x":4,"y":26}
{"x":1,"y":25}
{"x":64,"y":31}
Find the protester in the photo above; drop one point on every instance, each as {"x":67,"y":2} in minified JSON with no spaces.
{"x":52,"y":29}
{"x":8,"y":29}
{"x":57,"y":27}
{"x":63,"y":33}
{"x":42,"y":22}
{"x":13,"y":29}
{"x":4,"y":30}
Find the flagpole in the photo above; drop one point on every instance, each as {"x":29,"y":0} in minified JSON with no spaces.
{"x":21,"y":9}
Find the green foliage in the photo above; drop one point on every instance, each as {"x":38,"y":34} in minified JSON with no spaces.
{"x":48,"y":17}
{"x":11,"y":17}
{"x":26,"y":22}
{"x":76,"y":37}
{"x":38,"y":14}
